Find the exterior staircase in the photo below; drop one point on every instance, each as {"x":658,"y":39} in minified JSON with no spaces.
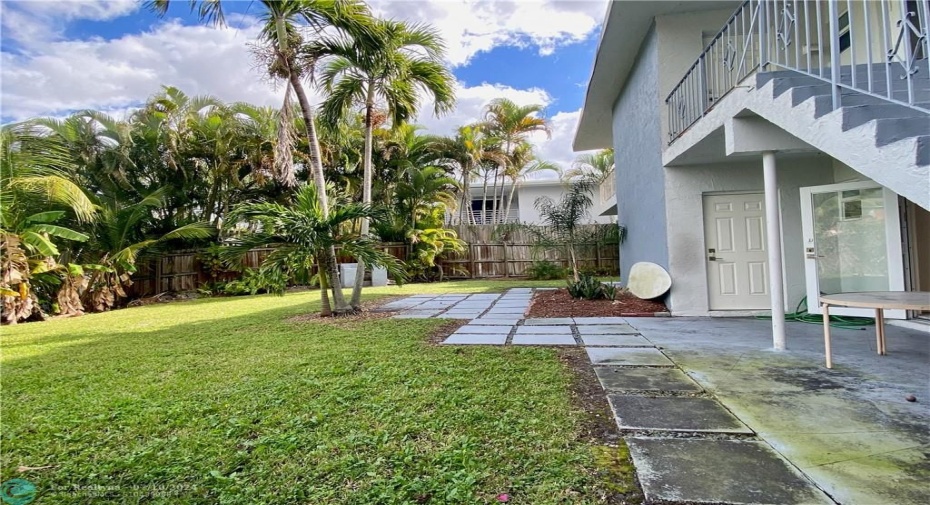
{"x":885,"y":141}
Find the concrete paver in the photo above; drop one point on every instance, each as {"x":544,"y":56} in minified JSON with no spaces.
{"x":547,"y":321}
{"x":624,"y":378}
{"x":469,"y":328}
{"x":599,"y":320}
{"x":627,"y":356}
{"x":547,"y":339}
{"x":718,"y":471}
{"x":541,"y":330}
{"x":607,"y":329}
{"x":615,"y":340}
{"x":670,"y":413}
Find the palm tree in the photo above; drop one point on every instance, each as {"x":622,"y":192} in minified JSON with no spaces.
{"x":595,"y":166}
{"x":301,"y":230}
{"x":428,"y":187}
{"x":467,"y":152}
{"x":523,"y":163}
{"x":510,"y":124}
{"x":564,"y":220}
{"x":400,"y":63}
{"x":36,"y":193}
{"x":281,"y":20}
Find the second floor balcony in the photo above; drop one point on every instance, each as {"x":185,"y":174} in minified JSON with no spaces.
{"x":879,"y":48}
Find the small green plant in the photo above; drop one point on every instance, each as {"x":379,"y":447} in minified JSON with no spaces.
{"x":256,"y":281}
{"x":587,"y":287}
{"x":546,"y":271}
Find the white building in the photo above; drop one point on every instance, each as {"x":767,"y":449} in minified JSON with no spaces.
{"x":523,"y":207}
{"x":768,"y":151}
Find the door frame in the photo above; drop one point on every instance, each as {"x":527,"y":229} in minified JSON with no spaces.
{"x":893,"y":250}
{"x":704,"y":253}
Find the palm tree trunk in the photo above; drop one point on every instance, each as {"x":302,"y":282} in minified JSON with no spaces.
{"x":325,"y":309}
{"x":329,"y":256}
{"x":494,"y":197}
{"x":366,"y":192}
{"x":513,"y":189}
{"x":484,"y":200}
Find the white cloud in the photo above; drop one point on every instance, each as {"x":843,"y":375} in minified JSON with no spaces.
{"x":61,"y":76}
{"x":470,"y":27}
{"x":50,"y":75}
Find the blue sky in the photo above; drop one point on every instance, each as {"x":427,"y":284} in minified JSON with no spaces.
{"x":60,"y":56}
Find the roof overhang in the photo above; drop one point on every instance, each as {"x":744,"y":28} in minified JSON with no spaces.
{"x":625,"y":26}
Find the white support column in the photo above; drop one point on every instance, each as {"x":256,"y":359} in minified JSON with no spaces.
{"x":773,"y":234}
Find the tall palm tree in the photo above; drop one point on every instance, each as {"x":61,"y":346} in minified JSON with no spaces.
{"x":401,"y":62}
{"x":467,"y":152}
{"x":595,"y":166}
{"x":511,"y":124}
{"x":281,"y":20}
{"x":523,"y":163}
{"x":301,"y":230}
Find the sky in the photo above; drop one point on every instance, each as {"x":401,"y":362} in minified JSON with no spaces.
{"x":60,"y":56}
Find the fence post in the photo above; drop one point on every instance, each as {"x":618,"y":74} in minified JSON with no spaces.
{"x":597,"y":255}
{"x":158,"y":274}
{"x":471,"y":260}
{"x":506,"y":266}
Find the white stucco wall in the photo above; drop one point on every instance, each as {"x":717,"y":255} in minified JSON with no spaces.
{"x":527,"y":195}
{"x":680,"y":42}
{"x":684,"y":189}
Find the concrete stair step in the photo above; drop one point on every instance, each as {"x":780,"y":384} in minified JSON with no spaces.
{"x":858,"y":115}
{"x":890,"y":130}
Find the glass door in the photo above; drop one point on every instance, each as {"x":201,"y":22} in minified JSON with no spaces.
{"x":852,"y":243}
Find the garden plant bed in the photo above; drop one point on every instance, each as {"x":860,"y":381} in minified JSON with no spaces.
{"x":558,"y":303}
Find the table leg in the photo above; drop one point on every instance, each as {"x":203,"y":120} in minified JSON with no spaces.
{"x":826,"y":335}
{"x":878,"y":331}
{"x":881,"y":331}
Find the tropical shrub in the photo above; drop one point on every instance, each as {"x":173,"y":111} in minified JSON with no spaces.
{"x":589,"y":288}
{"x":545,"y":271}
{"x":428,"y":245}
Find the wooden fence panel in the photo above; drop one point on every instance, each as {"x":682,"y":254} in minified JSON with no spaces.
{"x":491,"y":252}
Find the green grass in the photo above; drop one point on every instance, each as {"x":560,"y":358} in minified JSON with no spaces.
{"x":227,"y":401}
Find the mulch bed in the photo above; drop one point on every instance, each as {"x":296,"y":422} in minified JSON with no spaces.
{"x":558,"y":303}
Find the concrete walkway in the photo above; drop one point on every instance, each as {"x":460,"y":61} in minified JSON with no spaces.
{"x":712,"y":414}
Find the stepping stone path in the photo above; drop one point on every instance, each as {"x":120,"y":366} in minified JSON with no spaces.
{"x":685,"y":445}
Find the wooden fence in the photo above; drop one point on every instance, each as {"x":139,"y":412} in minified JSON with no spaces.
{"x":492,"y":252}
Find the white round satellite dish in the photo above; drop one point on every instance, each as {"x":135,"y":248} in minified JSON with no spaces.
{"x":648,"y":280}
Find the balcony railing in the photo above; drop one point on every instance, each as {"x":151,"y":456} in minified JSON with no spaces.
{"x":878,"y":47}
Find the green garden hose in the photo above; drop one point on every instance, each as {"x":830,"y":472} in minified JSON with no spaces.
{"x":802,"y":315}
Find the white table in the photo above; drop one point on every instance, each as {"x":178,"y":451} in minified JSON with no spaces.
{"x":878,"y":300}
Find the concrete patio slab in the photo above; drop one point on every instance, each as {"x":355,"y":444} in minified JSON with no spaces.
{"x":615,"y":340}
{"x":459,"y":339}
{"x":469,"y":328}
{"x":599,"y":320}
{"x":627,"y":356}
{"x":671,"y":413}
{"x":718,"y":471}
{"x":607,"y":329}
{"x":541,"y":330}
{"x":496,"y":321}
{"x":507,"y":311}
{"x":417,"y":314}
{"x":535,"y":339}
{"x":549,"y":321}
{"x":472,"y":305}
{"x":624,"y":378}
{"x":849,"y":429}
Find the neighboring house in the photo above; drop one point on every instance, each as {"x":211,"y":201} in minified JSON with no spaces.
{"x":523,"y":207}
{"x":767,"y":147}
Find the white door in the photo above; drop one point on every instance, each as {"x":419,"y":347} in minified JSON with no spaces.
{"x":737,"y":261}
{"x":852,"y":243}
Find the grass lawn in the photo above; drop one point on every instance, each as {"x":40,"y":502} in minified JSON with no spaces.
{"x":227,"y":401}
